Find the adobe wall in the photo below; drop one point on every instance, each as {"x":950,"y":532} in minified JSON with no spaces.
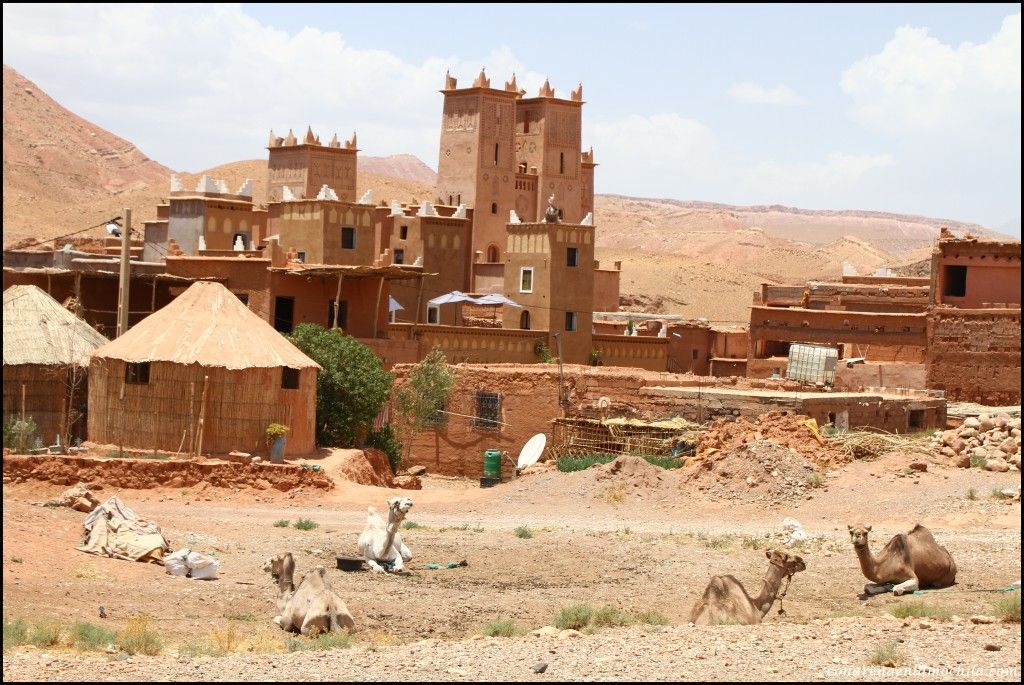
{"x":473,"y":345}
{"x":391,"y":351}
{"x":888,"y":280}
{"x":832,"y":328}
{"x":974,"y":355}
{"x":728,"y":367}
{"x":242,"y":276}
{"x":881,"y":375}
{"x":993,"y":273}
{"x":642,"y":352}
{"x":606,"y":290}
{"x":689,"y":349}
{"x":489,"y":278}
{"x":314,"y":298}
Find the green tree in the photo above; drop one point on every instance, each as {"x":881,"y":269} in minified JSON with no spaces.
{"x":351,"y":388}
{"x":427,"y":390}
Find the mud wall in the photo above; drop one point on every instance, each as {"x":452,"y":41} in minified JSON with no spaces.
{"x":974,"y":355}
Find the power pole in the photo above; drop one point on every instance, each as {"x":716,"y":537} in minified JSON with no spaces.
{"x":124,"y":282}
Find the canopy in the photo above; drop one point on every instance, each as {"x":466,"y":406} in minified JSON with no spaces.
{"x":453,"y":296}
{"x":393,"y":305}
{"x":497,"y":298}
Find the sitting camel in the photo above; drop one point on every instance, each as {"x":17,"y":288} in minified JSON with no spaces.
{"x":910,"y":561}
{"x":312,"y":605}
{"x":726,"y":601}
{"x":381,"y":545}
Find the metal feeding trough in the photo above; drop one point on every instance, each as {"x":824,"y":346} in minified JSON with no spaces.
{"x":350,"y":563}
{"x":486,"y":482}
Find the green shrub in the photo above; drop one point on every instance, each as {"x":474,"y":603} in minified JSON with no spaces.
{"x":282,"y":523}
{"x":610,"y":617}
{"x":978,"y":462}
{"x":306,"y":524}
{"x":888,"y":654}
{"x":138,"y":638}
{"x":15,"y":632}
{"x":45,"y":634}
{"x":19,"y":435}
{"x":569,"y":464}
{"x":972,"y":494}
{"x":524,"y":533}
{"x":412,"y":525}
{"x":997,"y":493}
{"x":387,"y":441}
{"x":351,"y":388}
{"x":89,"y":637}
{"x":501,"y":628}
{"x":1008,"y":608}
{"x":652,"y":618}
{"x":338,"y":639}
{"x":815,"y":480}
{"x":574,"y":616}
{"x":919,"y":610}
{"x":422,"y":399}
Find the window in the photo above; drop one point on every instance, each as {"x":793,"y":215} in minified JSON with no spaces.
{"x":403,"y":233}
{"x":284,"y":311}
{"x":526,"y":121}
{"x":571,"y":256}
{"x":494,"y":208}
{"x":495,"y":154}
{"x":348,"y":238}
{"x":561,"y":162}
{"x":342,"y":314}
{"x":245,"y":240}
{"x":243,"y":298}
{"x":399,"y":256}
{"x":695,"y":354}
{"x":492,"y":253}
{"x":526,"y":279}
{"x":916,"y":419}
{"x":449,"y":199}
{"x":289,"y":378}
{"x":433,"y":313}
{"x":570,"y":321}
{"x":458,"y":198}
{"x":137,"y":373}
{"x":955,"y":281}
{"x":302,"y":257}
{"x":488,"y":410}
{"x":524,"y":320}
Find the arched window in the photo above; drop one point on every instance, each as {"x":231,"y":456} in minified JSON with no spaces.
{"x":561,"y":162}
{"x":495,"y":154}
{"x":494,"y":208}
{"x":524,"y":320}
{"x":492,"y":253}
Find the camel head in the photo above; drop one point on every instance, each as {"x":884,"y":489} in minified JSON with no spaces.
{"x":788,"y":563}
{"x":398,"y":507}
{"x":280,"y":567}
{"x":859,"y":535}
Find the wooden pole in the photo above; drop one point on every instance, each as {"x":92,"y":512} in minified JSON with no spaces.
{"x":124,"y":281}
{"x":202,"y":416}
{"x":78,"y":292}
{"x":337,"y":302}
{"x":376,"y":310}
{"x":152,"y":299}
{"x":419,"y":305}
{"x":191,"y":418}
{"x":23,"y":403}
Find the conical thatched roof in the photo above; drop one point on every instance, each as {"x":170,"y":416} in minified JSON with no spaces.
{"x":206,"y":325}
{"x":38,"y":330}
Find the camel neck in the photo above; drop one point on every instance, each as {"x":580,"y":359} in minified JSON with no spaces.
{"x":867,"y":562}
{"x":392,"y":529}
{"x":769,"y":590}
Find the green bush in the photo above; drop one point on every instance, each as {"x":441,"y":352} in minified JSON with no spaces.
{"x":351,"y":388}
{"x":569,"y":464}
{"x":978,"y":462}
{"x":338,"y":639}
{"x":524,"y":533}
{"x":501,"y":628}
{"x":421,"y":400}
{"x":1008,"y":608}
{"x":888,"y":654}
{"x":138,"y":638}
{"x":387,"y":441}
{"x":45,"y":634}
{"x":18,"y":434}
{"x":411,"y":525}
{"x":920,"y":610}
{"x":15,"y":632}
{"x":282,"y":523}
{"x":652,"y":618}
{"x":306,"y":524}
{"x":610,"y":617}
{"x":89,"y":637}
{"x":574,"y":616}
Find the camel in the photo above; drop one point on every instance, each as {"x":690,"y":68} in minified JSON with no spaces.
{"x":910,"y":561}
{"x":381,"y":545}
{"x":726,"y":601}
{"x":313,"y":605}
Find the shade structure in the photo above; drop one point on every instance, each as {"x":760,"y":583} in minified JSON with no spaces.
{"x":497,"y":298}
{"x":393,"y":305}
{"x":453,"y":296}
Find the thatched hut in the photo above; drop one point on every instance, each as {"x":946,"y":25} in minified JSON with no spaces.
{"x":46,"y":358}
{"x":204,"y":374}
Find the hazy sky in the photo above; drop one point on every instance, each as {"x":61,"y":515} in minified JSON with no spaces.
{"x":910,"y":108}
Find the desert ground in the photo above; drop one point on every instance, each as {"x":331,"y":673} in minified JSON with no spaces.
{"x":631,"y":543}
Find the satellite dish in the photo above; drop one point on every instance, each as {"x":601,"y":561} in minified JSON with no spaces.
{"x":114,"y":230}
{"x":531,"y":451}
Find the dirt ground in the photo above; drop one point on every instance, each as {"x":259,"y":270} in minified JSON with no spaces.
{"x":639,"y":547}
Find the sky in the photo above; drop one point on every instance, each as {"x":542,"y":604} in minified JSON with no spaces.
{"x":901,"y":108}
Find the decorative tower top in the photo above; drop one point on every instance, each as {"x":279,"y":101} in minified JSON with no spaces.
{"x":577,"y":94}
{"x":334,"y":141}
{"x":290,"y":139}
{"x":350,"y":144}
{"x":482,"y":81}
{"x":310,"y":138}
{"x":450,"y":82}
{"x":273,"y":139}
{"x":546,"y":91}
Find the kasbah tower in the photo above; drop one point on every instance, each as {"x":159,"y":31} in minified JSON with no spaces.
{"x":501,"y":152}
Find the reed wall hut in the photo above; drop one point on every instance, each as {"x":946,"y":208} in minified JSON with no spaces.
{"x":204,"y":375}
{"x":46,"y":360}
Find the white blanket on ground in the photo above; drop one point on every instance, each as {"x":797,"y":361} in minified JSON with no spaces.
{"x":113,"y":530}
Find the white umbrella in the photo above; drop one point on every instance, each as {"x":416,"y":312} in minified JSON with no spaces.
{"x":393,"y":305}
{"x":497,"y":298}
{"x":453,"y":296}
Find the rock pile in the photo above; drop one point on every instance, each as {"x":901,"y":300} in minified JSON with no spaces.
{"x":784,"y":429}
{"x":988,"y":442}
{"x":759,"y":471}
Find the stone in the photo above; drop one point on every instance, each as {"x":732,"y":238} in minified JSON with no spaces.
{"x":261,"y":484}
{"x":958,"y":445}
{"x":540,"y":667}
{"x":992,"y":648}
{"x":971,"y":422}
{"x":546,"y":631}
{"x":1009,"y":446}
{"x":418,"y":470}
{"x":968,"y":432}
{"x":569,"y":633}
{"x":407,"y":482}
{"x":919,"y":466}
{"x":947,"y":451}
{"x":983,"y":620}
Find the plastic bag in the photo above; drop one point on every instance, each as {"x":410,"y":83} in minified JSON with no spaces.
{"x":202,"y":567}
{"x":176,"y":564}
